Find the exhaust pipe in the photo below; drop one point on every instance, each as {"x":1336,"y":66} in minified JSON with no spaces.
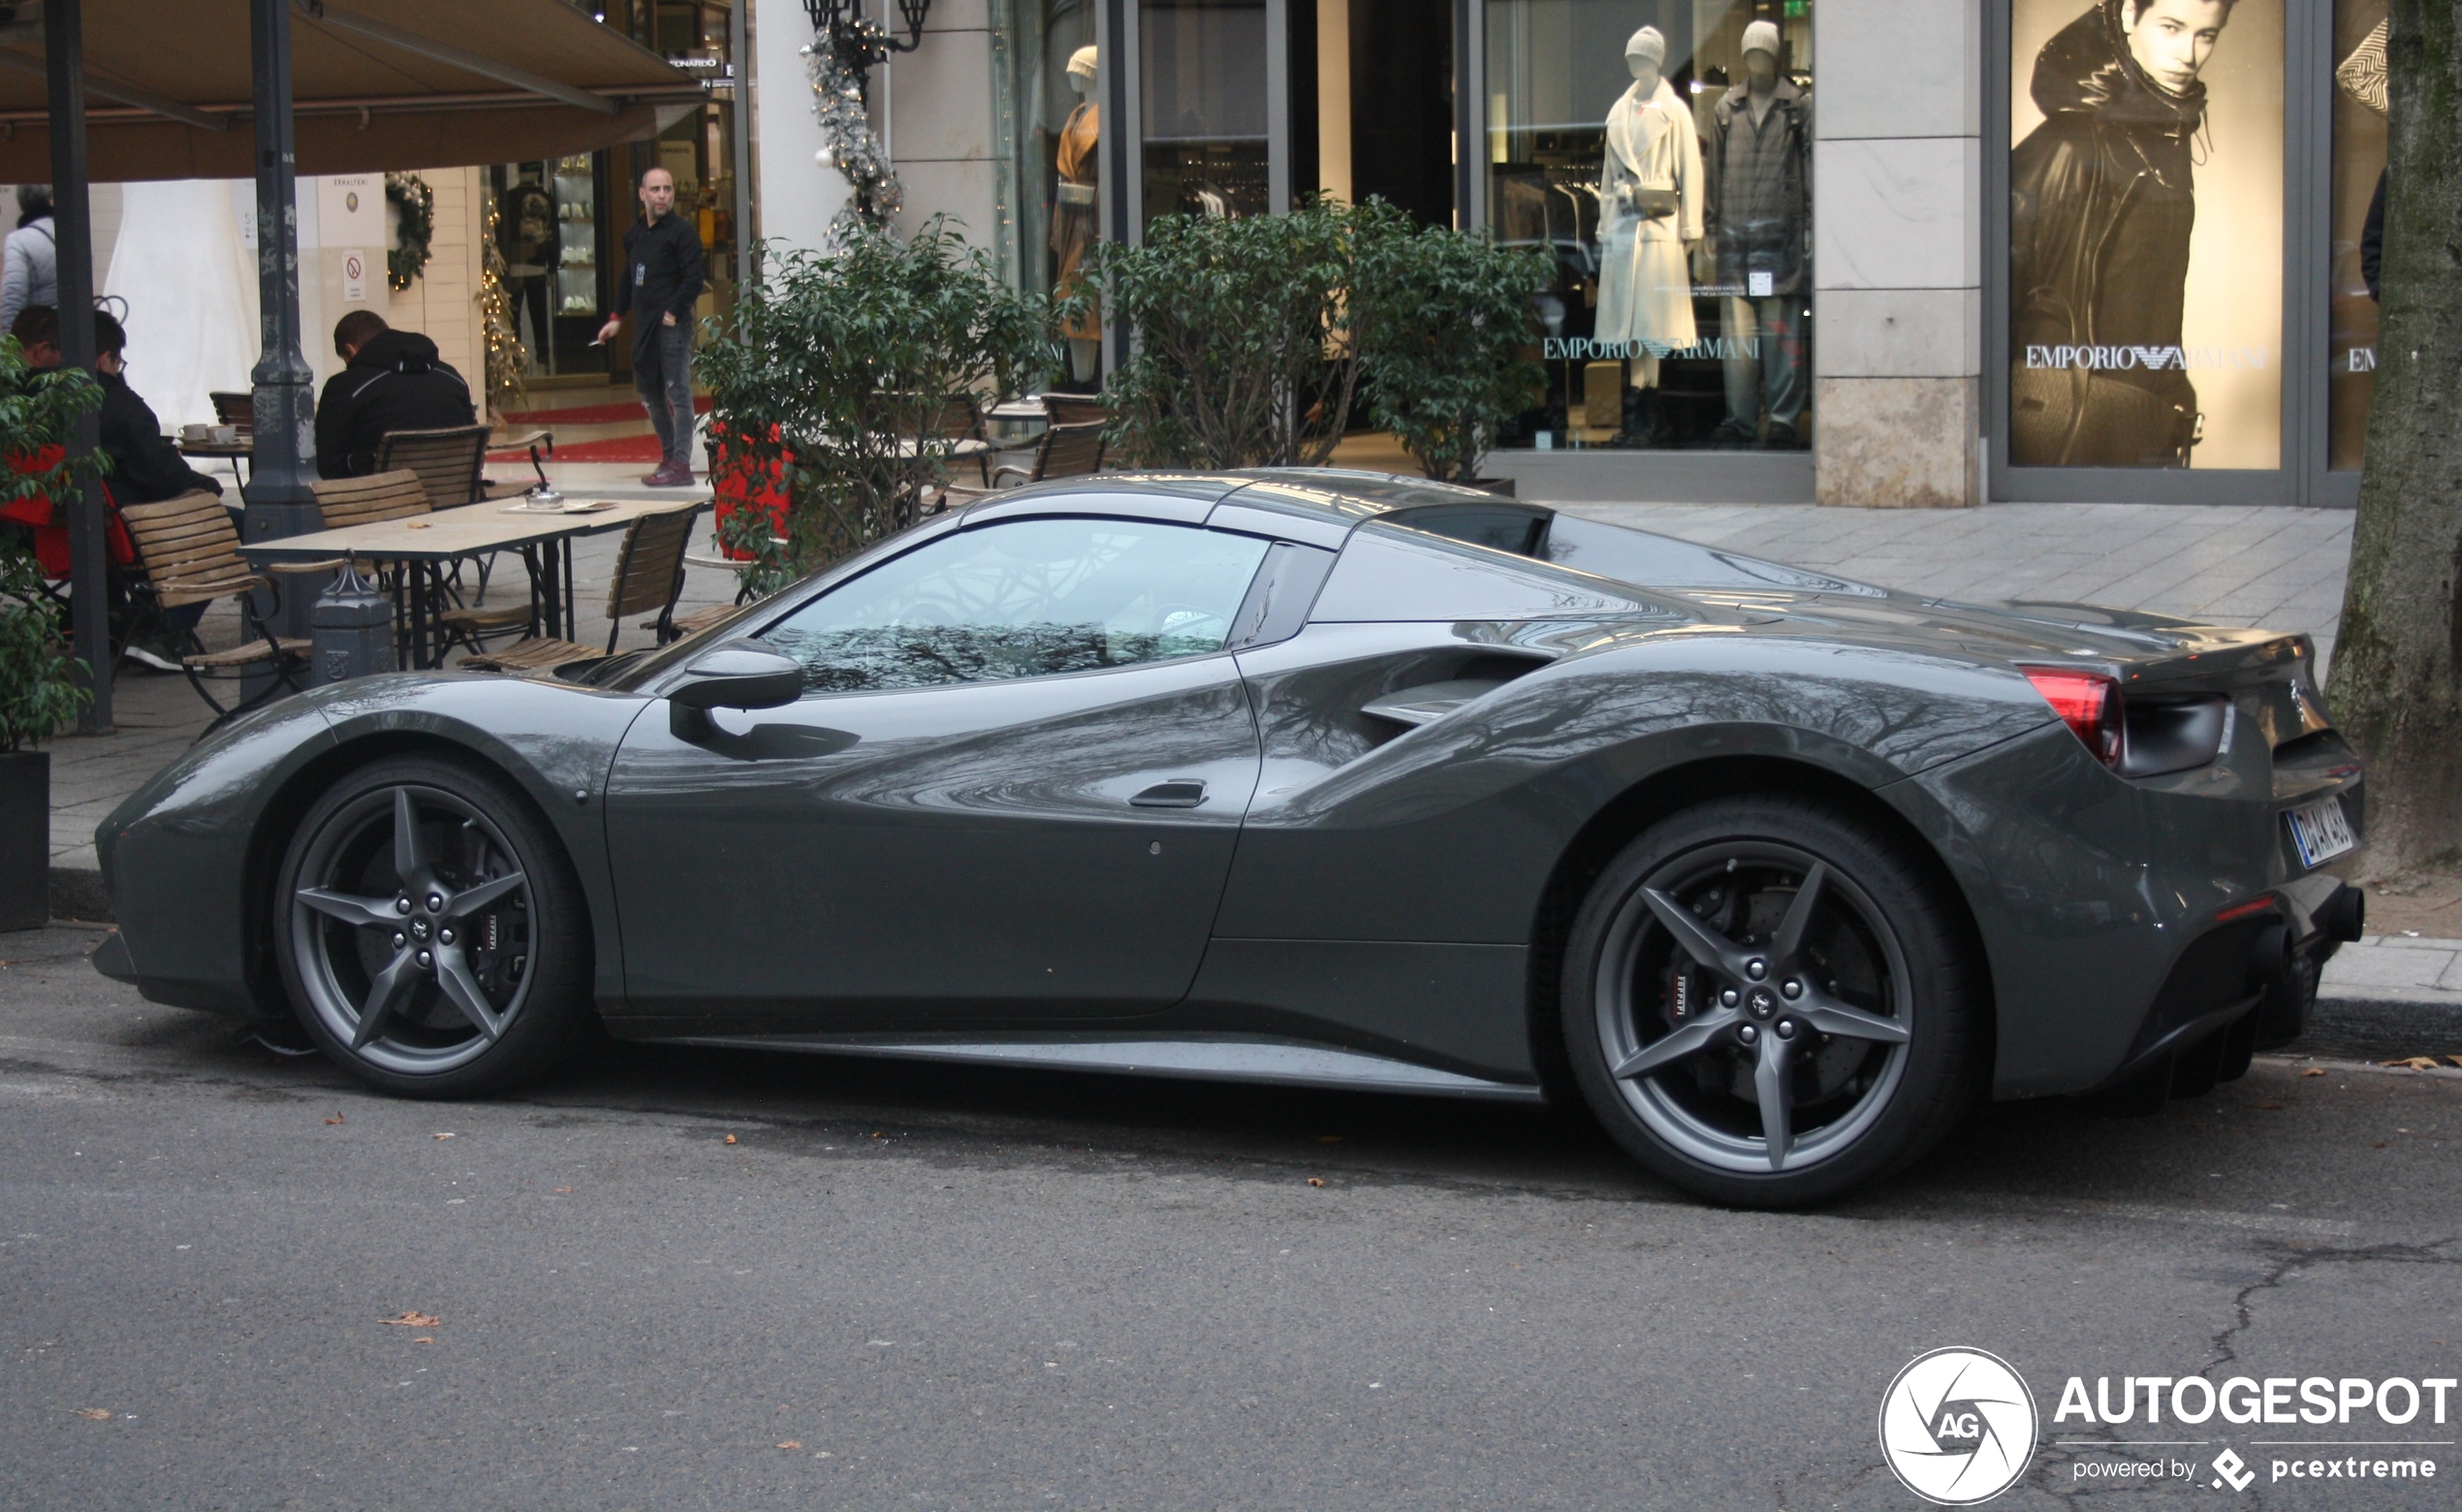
{"x":2345,"y":916}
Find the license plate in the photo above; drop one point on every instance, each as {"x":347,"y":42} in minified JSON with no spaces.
{"x":2320,"y":830}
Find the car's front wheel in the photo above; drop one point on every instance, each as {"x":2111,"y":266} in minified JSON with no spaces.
{"x":1768,"y":1001}
{"x":431,"y":933}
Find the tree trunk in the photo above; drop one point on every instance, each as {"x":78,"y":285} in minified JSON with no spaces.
{"x":2397,"y":676}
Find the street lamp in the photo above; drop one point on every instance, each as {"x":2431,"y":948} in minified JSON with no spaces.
{"x":860,"y":41}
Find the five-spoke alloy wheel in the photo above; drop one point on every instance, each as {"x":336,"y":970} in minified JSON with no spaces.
{"x":431,"y":932}
{"x":1765,"y":1001}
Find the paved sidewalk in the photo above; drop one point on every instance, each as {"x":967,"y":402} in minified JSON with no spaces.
{"x":2391,"y":995}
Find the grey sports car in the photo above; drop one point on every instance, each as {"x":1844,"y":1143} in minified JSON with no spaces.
{"x":1314,"y":777}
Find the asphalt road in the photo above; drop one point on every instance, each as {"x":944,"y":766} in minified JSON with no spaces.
{"x":909,"y":1287}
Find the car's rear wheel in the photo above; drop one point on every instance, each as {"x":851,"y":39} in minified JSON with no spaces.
{"x":431,"y":933}
{"x":1767,"y":1001}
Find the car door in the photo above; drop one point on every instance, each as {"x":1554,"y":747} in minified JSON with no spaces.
{"x":1012,"y":787}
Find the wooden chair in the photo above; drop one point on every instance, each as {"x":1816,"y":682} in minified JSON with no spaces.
{"x":1074,"y":409}
{"x":190,"y":553}
{"x":650,"y":575}
{"x":449,"y":463}
{"x":239,"y":411}
{"x":1065,"y":451}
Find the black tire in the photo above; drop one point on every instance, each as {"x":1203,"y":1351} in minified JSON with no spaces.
{"x":493,"y":918}
{"x":1870,"y":1057}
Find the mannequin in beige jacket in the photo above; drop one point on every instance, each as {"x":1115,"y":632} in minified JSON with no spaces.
{"x":1650,"y":217}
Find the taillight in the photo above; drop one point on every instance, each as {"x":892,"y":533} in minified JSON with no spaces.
{"x":2087,"y":701}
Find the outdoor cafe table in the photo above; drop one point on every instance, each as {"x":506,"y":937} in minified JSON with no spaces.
{"x":428,"y":541}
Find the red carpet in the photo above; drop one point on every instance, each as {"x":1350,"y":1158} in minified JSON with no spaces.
{"x":623,"y":449}
{"x":592,"y":415}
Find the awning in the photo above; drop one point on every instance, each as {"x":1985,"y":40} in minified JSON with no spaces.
{"x":375,"y":86}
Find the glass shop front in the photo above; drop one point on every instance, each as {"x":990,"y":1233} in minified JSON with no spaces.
{"x":1658,"y":150}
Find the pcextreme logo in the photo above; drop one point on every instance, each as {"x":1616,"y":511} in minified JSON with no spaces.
{"x":1957,"y":1427}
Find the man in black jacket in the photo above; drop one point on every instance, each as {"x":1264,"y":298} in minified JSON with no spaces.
{"x":146,"y":468}
{"x":661,"y":283}
{"x":394,"y":381}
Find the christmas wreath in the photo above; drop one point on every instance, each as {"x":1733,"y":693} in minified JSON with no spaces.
{"x":414,"y":227}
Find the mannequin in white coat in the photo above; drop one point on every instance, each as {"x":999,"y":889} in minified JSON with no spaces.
{"x":1650,"y":215}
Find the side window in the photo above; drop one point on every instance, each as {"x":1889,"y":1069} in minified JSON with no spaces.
{"x":1024,"y":598}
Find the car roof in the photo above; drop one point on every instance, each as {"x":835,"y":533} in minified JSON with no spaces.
{"x":1326,"y":495}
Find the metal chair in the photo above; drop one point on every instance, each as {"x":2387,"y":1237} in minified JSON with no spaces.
{"x":650,"y":575}
{"x":190,"y":553}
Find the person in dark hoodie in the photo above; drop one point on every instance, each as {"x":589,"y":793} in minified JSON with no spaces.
{"x":2102,"y":202}
{"x":394,"y":381}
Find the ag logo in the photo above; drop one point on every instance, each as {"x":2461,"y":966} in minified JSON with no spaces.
{"x":1957,"y":1425}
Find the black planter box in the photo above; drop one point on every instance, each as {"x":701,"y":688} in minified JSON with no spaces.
{"x":25,"y":839}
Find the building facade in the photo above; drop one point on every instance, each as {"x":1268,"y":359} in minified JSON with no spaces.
{"x":1874,"y":252}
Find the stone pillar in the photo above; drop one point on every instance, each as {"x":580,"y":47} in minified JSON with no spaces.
{"x":1898,"y":252}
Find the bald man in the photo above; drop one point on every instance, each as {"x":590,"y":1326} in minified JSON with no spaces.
{"x":662,"y":281}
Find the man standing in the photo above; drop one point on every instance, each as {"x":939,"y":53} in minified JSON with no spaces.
{"x":662,"y":281}
{"x":394,"y":380}
{"x":29,"y":264}
{"x":2102,"y":202}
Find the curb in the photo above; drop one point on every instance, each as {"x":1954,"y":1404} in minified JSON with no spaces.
{"x":78,"y":893}
{"x":2377,"y":1027}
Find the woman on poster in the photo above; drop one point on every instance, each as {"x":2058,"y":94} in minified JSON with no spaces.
{"x":2102,"y":203}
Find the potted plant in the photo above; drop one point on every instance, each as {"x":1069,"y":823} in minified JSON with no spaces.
{"x":1243,"y":345}
{"x":41,"y":689}
{"x":1448,"y":328}
{"x":40,"y":686}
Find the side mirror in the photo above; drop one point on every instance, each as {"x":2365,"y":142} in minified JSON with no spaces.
{"x":746,"y":674}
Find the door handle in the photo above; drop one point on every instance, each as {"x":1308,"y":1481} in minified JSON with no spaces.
{"x":1178,"y":793}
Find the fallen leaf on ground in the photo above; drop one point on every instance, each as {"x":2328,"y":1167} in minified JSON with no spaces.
{"x":1329,"y":1139}
{"x":2314,"y":1071}
{"x":336,"y":1118}
{"x":564,"y":1188}
{"x":2376,"y":1143}
{"x":425,"y":1338}
{"x":730,"y":1139}
{"x":412,"y":1320}
{"x":2271,"y":1107}
{"x":2456,"y":1059}
{"x":416,"y":524}
{"x":94,"y":1414}
{"x":792,"y":1443}
{"x":1316,"y":1180}
{"x":2414,"y":1062}
{"x":448,"y":1134}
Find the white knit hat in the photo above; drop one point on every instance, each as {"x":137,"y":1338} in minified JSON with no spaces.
{"x":1082,"y":61}
{"x":1648,"y":43}
{"x":1761,"y":37}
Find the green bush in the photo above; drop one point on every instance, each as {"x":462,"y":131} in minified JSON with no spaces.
{"x":1243,"y":344}
{"x":834,"y":358}
{"x":1446,"y":319}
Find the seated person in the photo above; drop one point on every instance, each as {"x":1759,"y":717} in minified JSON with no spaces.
{"x":394,"y":381}
{"x":146,"y":467}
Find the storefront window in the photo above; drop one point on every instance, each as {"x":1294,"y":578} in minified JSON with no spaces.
{"x":1202,"y":100}
{"x":2359,"y":177}
{"x":1059,"y":122}
{"x":2145,"y":229}
{"x":1661,"y":152}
